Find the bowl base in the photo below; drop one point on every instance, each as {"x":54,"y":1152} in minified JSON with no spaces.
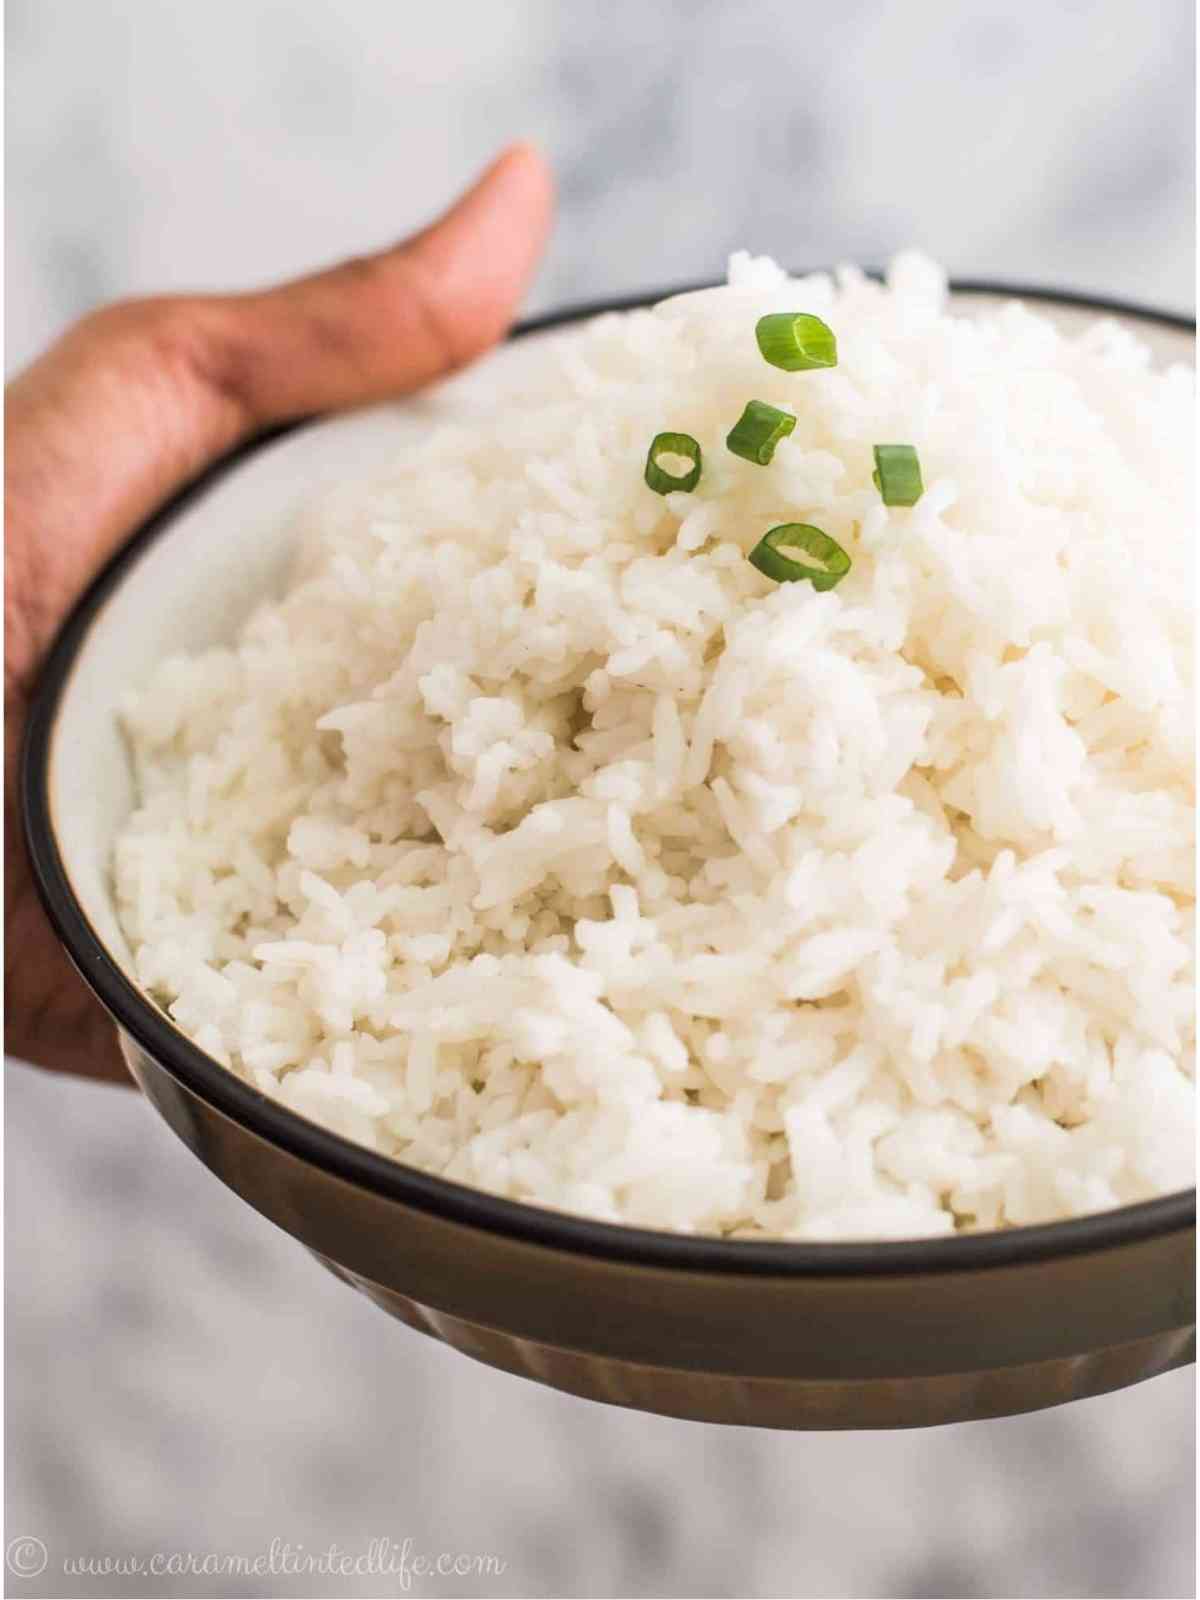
{"x":794,"y":1404}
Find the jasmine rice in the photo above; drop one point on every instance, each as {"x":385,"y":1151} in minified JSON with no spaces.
{"x":535,"y":838}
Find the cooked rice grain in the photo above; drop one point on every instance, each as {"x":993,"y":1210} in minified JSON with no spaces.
{"x":536,"y":839}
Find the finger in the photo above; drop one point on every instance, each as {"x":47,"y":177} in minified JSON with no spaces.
{"x":139,"y":397}
{"x":391,"y":322}
{"x":51,"y":1017}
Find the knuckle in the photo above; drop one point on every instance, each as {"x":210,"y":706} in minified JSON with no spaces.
{"x":189,"y":339}
{"x":443,"y":329}
{"x":359,"y":270}
{"x":126,"y":320}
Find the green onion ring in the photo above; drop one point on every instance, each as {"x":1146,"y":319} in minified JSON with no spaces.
{"x":772,"y":560}
{"x":897,"y":474}
{"x":758,"y":430}
{"x":672,"y":444}
{"x":796,"y":341}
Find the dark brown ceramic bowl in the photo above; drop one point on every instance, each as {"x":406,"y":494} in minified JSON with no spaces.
{"x":769,"y":1333}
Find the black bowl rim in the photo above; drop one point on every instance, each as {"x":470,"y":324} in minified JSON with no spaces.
{"x":219,"y":1088}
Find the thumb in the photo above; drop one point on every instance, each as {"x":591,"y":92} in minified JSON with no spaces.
{"x":384,"y":324}
{"x":139,"y":397}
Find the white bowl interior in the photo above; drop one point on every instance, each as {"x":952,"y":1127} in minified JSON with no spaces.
{"x":227,"y":552}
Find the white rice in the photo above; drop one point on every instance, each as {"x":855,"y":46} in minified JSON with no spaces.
{"x":536,"y":839}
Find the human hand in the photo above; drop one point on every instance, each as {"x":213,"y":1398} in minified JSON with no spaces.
{"x":140,"y":397}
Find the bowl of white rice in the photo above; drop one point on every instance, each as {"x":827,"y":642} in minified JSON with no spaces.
{"x":668,"y":861}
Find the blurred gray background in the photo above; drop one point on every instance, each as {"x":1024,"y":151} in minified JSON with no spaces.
{"x":181,"y":1377}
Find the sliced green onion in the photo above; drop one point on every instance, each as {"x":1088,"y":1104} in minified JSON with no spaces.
{"x":897,"y":474}
{"x":778,"y":555}
{"x":758,"y":430}
{"x":673,"y":444}
{"x":795,"y":341}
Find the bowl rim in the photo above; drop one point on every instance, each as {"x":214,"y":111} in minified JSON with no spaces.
{"x":456,"y":1202}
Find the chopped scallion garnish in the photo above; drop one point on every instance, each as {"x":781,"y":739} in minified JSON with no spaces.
{"x":781,"y":553}
{"x":796,"y":341}
{"x":673,"y":444}
{"x":897,"y":474}
{"x":758,"y":430}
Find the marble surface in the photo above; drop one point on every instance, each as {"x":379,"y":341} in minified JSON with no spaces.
{"x":181,"y":1377}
